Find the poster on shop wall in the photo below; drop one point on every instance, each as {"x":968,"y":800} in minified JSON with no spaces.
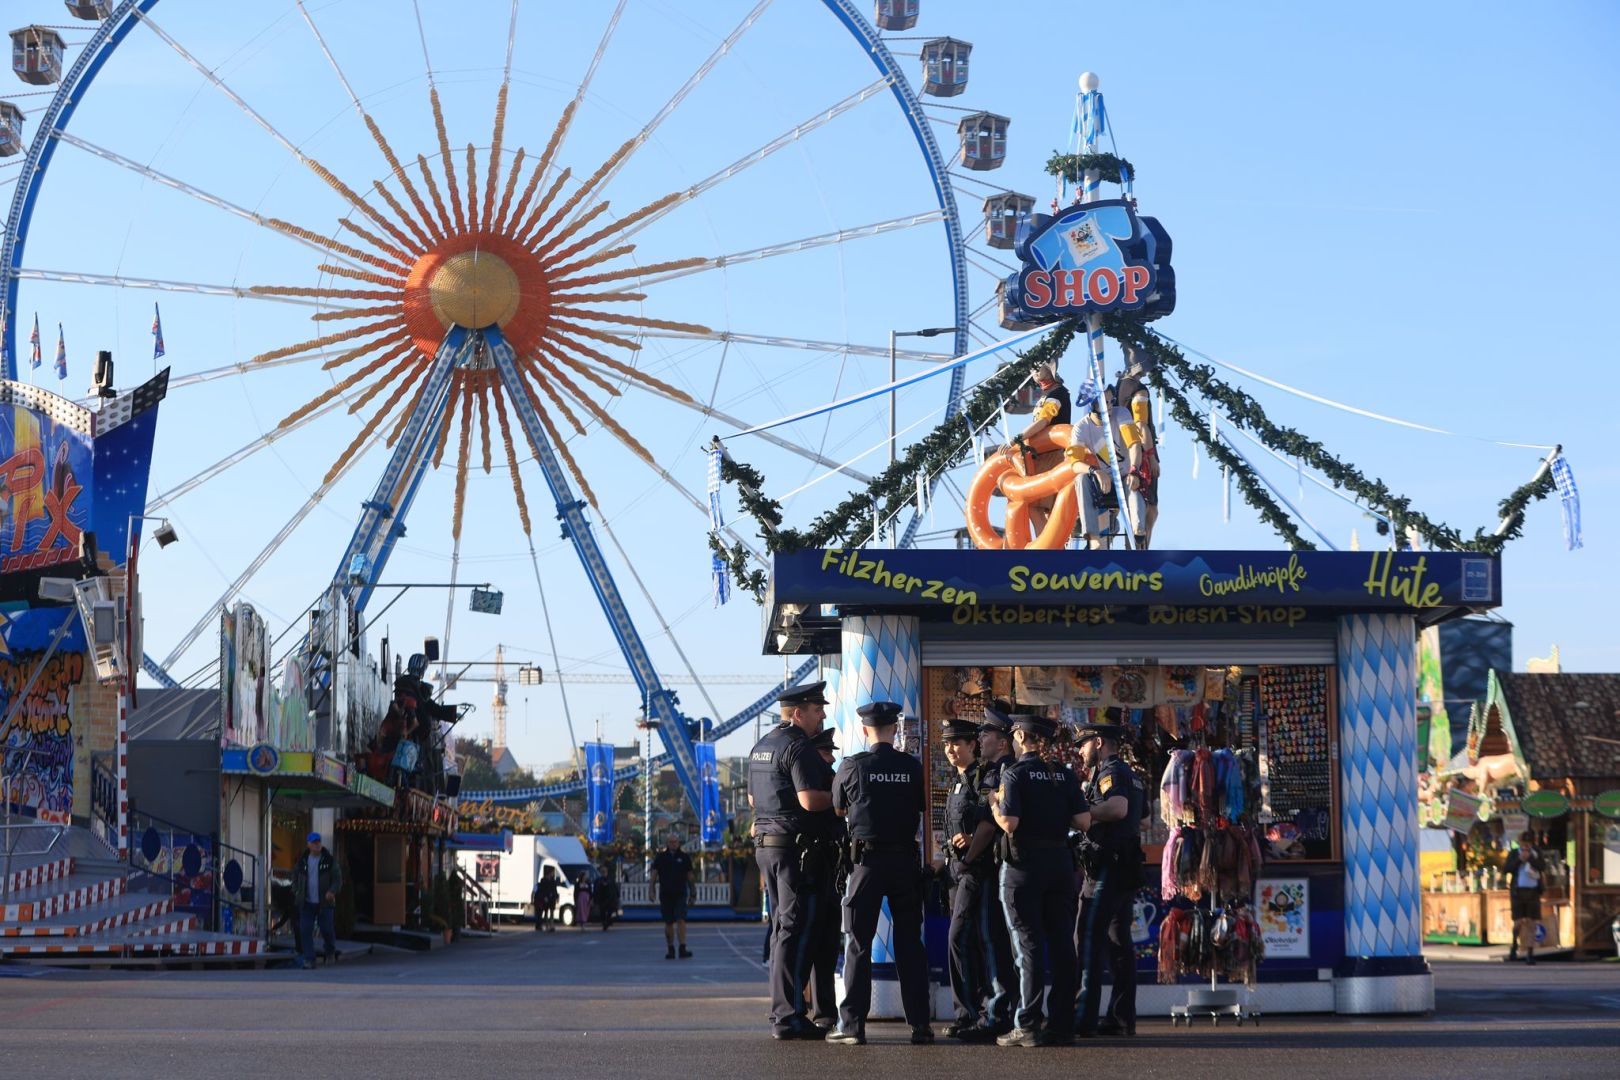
{"x":1126,"y":685}
{"x":1283,"y":907}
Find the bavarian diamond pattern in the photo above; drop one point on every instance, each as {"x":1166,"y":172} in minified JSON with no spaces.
{"x":882,"y":662}
{"x":1378,"y":773}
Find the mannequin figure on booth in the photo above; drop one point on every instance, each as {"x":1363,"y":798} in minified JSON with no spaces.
{"x":1053,"y":408}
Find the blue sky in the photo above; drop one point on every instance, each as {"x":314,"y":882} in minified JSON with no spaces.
{"x":1405,"y":208}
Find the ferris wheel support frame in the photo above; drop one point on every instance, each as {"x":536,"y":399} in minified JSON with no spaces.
{"x":660,"y":701}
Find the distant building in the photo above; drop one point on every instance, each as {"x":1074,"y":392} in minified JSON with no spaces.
{"x":504,"y":762}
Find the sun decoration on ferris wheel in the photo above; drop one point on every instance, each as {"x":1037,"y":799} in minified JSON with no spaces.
{"x":541,"y":268}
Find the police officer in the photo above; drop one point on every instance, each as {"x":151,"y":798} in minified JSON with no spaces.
{"x":964,"y":811}
{"x":880,"y":794}
{"x":788,"y":781}
{"x":976,"y":871}
{"x":1036,"y":806}
{"x":1113,"y":865}
{"x":826,"y":833}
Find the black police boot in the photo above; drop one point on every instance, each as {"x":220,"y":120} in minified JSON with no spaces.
{"x":841,"y":1037}
{"x":669,"y":953}
{"x":982,"y":1033}
{"x":685,"y":953}
{"x":1113,"y":1028}
{"x":922,"y":1036}
{"x":956,"y":1029}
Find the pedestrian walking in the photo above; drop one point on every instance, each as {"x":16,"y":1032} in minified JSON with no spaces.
{"x":881,"y":795}
{"x":1112,"y":857}
{"x":672,"y":873}
{"x":317,"y":880}
{"x":786,"y":781}
{"x":544,"y":900}
{"x":582,"y":899}
{"x":1036,"y":806}
{"x":1525,"y":870}
{"x":606,"y":901}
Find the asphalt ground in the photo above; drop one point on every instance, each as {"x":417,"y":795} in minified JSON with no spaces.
{"x":591,"y":1004}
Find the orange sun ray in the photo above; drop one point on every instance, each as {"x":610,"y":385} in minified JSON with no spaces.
{"x":595,"y":335}
{"x":398,"y":307}
{"x":446,"y":161}
{"x":457,"y":387}
{"x":562,"y":447}
{"x":527,"y":368}
{"x":412,"y":364}
{"x":472,"y":190}
{"x":462,"y":454}
{"x":341,"y":294}
{"x":359,"y":275}
{"x":356,"y":353}
{"x":354,"y":199}
{"x":599,"y":298}
{"x":483,"y":416}
{"x":586,"y":372}
{"x":573,"y":227}
{"x":506,"y":195}
{"x":560,"y":272}
{"x":406,"y":257}
{"x":433,"y":190}
{"x":512,"y":461}
{"x":404,"y":182}
{"x":369,"y":427}
{"x":620,"y":366}
{"x":612,"y":425}
{"x":607,"y":230}
{"x":587,"y":187}
{"x":330,"y":339}
{"x":343,"y":384}
{"x":545,"y":201}
{"x":630,"y":320}
{"x":301,"y":233}
{"x":543,"y":165}
{"x":494,"y":157}
{"x":628,"y":272}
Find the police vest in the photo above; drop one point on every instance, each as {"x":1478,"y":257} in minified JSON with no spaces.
{"x":882,"y":790}
{"x":963,"y":807}
{"x":770,"y":780}
{"x":1115,"y":777}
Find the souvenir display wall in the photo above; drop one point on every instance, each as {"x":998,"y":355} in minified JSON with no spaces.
{"x":1299,"y":754}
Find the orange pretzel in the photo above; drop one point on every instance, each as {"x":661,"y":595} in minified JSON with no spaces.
{"x":1007,"y":474}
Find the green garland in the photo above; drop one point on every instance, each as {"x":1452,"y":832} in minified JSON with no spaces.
{"x":1249,"y":483}
{"x":1072,"y":167}
{"x":946,"y":446}
{"x":1246,"y":413}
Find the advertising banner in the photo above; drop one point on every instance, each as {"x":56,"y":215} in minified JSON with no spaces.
{"x":599,"y":792}
{"x":1283,"y":906}
{"x":713,"y":819}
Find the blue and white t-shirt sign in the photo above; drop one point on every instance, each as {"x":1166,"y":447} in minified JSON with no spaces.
{"x":1090,"y":259}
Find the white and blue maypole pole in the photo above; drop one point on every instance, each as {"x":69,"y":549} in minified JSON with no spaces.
{"x":1093,"y":122}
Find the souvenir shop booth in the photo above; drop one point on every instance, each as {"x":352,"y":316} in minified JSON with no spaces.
{"x":1271,"y":698}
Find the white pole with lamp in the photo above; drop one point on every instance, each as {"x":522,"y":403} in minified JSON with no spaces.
{"x":933,"y":331}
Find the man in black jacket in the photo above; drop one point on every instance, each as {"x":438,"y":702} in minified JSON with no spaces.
{"x":1524,"y":870}
{"x":316,"y":881}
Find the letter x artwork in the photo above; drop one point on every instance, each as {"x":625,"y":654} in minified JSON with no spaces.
{"x":70,"y":479}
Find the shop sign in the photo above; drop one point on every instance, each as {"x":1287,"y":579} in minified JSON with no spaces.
{"x":1547,"y":804}
{"x":1092,"y":258}
{"x":954,"y":584}
{"x":331,"y":770}
{"x":1283,"y":906}
{"x":1607,"y":803}
{"x":263,"y":759}
{"x":1462,"y":810}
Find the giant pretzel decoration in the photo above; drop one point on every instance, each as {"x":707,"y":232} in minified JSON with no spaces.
{"x":1008,"y":472}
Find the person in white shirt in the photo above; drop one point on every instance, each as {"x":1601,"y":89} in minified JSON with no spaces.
{"x":1526,"y":873}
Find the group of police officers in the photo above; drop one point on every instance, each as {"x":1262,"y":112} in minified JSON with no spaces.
{"x":1043,"y":869}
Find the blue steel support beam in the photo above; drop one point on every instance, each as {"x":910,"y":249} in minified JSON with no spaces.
{"x":382,"y":517}
{"x":660,"y":701}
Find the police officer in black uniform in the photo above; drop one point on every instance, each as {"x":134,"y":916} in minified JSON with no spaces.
{"x":964,"y":810}
{"x":1113,"y":863}
{"x":1036,"y":806}
{"x":825,"y":832}
{"x":881,"y":795}
{"x":1001,"y":973}
{"x":787,"y":782}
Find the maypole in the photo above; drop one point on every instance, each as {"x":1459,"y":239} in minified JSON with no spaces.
{"x":1093,"y":121}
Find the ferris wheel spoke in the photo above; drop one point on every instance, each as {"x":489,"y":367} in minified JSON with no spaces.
{"x":241,"y":368}
{"x":754,"y":157}
{"x":766,"y":436}
{"x":507,"y":444}
{"x":622,"y":157}
{"x":793,"y":247}
{"x":119,"y":281}
{"x":487,"y":217}
{"x":337,"y":389}
{"x":564,"y":341}
{"x":158,"y":502}
{"x":382,"y":144}
{"x":348,"y":194}
{"x":774,"y":342}
{"x":188,"y":189}
{"x":247,"y":575}
{"x":384,"y":326}
{"x":463,"y":455}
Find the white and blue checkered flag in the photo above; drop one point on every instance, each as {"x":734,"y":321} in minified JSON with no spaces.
{"x":1085,"y":393}
{"x":1570,"y":498}
{"x":717,"y":519}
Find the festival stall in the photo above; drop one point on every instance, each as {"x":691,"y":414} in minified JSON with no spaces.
{"x":1542,"y":756}
{"x":1294,"y":671}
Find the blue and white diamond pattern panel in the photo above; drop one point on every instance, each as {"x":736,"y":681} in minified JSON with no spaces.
{"x":882,"y":662}
{"x":1378,"y":773}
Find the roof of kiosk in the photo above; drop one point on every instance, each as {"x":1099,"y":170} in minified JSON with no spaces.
{"x":811,"y":589}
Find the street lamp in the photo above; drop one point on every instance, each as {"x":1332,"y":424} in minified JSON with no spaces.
{"x":933,"y":331}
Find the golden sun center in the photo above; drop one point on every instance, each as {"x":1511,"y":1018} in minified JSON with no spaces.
{"x":474,"y":289}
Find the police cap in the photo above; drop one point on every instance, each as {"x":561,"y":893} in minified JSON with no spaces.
{"x":960,"y":729}
{"x":824,"y":740}
{"x":1108,"y":724}
{"x":879,"y":713}
{"x":1035,"y":725}
{"x":809,"y":693}
{"x":995,"y":719}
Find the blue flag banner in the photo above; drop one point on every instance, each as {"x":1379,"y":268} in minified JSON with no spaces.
{"x":61,"y":353}
{"x":1569,"y":496}
{"x":599,"y":792}
{"x":157,"y":332}
{"x":33,"y":344}
{"x":713,"y":818}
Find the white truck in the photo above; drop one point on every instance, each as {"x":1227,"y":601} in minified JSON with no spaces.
{"x":510,"y":876}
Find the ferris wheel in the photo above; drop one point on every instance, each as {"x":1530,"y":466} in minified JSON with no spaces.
{"x":425,"y":253}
